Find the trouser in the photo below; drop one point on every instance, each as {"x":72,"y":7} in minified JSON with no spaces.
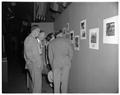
{"x":61,"y":76}
{"x":35,"y":82}
{"x":29,"y":82}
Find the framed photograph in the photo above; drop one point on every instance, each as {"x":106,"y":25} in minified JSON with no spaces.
{"x":72,"y":36}
{"x":110,"y":30}
{"x":83,"y":29}
{"x":94,"y":38}
{"x":76,"y":42}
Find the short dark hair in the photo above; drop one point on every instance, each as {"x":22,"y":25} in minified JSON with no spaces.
{"x":34,"y":27}
{"x":41,"y":31}
{"x":60,"y":31}
{"x":49,"y":36}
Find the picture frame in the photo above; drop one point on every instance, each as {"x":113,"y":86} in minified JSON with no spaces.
{"x":64,"y":30}
{"x":67,"y":28}
{"x":94,"y":38}
{"x":83,"y":34}
{"x":110,"y":30}
{"x":77,"y":42}
{"x":72,"y":36}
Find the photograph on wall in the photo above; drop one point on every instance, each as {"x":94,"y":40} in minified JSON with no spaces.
{"x":94,"y":38}
{"x":76,"y":42}
{"x":83,"y":29}
{"x":110,"y":30}
{"x":72,"y":36}
{"x":64,"y":30}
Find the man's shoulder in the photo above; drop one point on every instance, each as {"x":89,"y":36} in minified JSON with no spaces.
{"x":59,"y":39}
{"x":65,"y":40}
{"x":28,"y":40}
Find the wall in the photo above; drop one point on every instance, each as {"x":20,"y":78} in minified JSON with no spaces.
{"x":47,"y":27}
{"x":92,"y":70}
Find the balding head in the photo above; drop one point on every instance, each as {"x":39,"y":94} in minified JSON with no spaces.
{"x":59,"y":33}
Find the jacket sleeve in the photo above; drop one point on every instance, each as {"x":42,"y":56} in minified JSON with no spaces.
{"x":50,"y":53}
{"x":31,"y":53}
{"x":25,"y":51}
{"x":70,"y":51}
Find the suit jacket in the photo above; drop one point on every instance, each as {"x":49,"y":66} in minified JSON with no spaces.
{"x":60,"y":52}
{"x":47,"y":61}
{"x":32,"y":53}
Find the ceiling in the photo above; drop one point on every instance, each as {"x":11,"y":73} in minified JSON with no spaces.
{"x":34,"y":11}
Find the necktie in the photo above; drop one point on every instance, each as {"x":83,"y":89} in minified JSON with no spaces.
{"x":39,"y":46}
